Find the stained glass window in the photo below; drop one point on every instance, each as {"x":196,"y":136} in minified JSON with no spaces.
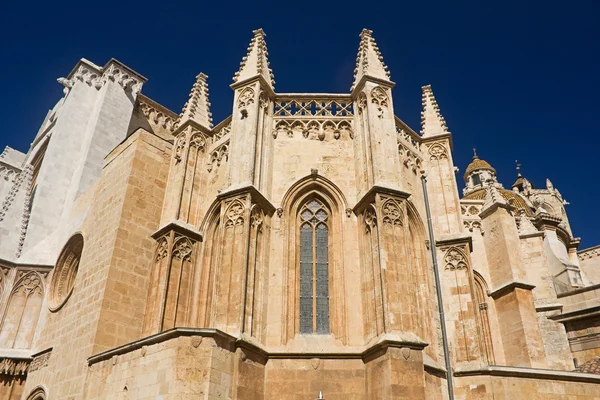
{"x":314,"y":268}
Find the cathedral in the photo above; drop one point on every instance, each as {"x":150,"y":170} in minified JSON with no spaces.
{"x":309,"y":246}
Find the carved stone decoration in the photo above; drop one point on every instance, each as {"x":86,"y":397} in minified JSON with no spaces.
{"x":13,"y":367}
{"x":362,"y":102}
{"x":380,"y":99}
{"x":234,"y":214}
{"x":157,"y":116}
{"x":218,"y":155}
{"x":196,"y":341}
{"x":279,"y":212}
{"x":65,"y":271}
{"x":405,"y":352}
{"x":182,"y":249}
{"x":392,"y":214}
{"x":438,"y":152}
{"x":455,"y":259}
{"x":39,"y":362}
{"x":370,"y":219}
{"x":315,"y":362}
{"x":179,"y":149}
{"x":263,"y":100}
{"x":162,"y":248}
{"x":246,"y":98}
{"x":257,"y":217}
{"x":117,"y":74}
{"x":198,"y":141}
{"x":90,"y":77}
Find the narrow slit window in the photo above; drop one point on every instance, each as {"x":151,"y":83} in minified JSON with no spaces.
{"x":314,"y":268}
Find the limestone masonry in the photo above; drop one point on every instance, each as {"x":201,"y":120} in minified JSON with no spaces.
{"x":283,"y":253}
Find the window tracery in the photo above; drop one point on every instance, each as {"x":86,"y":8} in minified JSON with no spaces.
{"x":314,"y":268}
{"x":65,"y":271}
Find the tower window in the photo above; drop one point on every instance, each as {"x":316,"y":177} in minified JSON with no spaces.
{"x":476,"y":180}
{"x":314,"y":268}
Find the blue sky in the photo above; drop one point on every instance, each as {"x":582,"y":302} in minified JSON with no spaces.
{"x":517,"y":80}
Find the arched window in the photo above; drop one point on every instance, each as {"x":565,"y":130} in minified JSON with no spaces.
{"x":476,"y":180}
{"x":314,"y":268}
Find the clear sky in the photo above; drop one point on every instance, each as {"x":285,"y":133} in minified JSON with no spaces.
{"x":516,"y":79}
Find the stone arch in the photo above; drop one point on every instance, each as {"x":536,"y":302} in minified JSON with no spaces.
{"x":22,"y":312}
{"x":39,"y":393}
{"x":65,"y":272}
{"x":326,"y":192}
{"x":480,"y":290}
{"x":209,"y":257}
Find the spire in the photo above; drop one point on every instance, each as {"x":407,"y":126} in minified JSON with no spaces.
{"x":369,"y":60}
{"x":432,"y":122}
{"x":197,"y":108}
{"x":255,"y":62}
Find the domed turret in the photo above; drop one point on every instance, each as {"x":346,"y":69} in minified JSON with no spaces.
{"x":478,"y":172}
{"x":521,"y":184}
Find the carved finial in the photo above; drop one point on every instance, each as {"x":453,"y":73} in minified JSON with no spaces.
{"x":549,"y":184}
{"x":320,"y":396}
{"x":197,"y":108}
{"x":492,"y":196}
{"x":432,"y":122}
{"x":518,"y":168}
{"x":314,"y":171}
{"x":369,"y":60}
{"x":475,"y":154}
{"x":256,"y":63}
{"x":524,"y":224}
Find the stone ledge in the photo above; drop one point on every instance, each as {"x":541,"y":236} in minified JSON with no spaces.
{"x":531,"y":373}
{"x":578,"y":314}
{"x":223,"y":340}
{"x":509,"y":287}
{"x":577,"y":291}
{"x":549,"y":307}
{"x":231,"y":343}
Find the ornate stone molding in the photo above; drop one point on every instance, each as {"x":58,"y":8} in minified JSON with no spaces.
{"x":455,"y":259}
{"x":218,"y":155}
{"x":323,"y":130}
{"x":14,"y":366}
{"x":437,"y":151}
{"x":12,"y":193}
{"x":156,"y":115}
{"x":28,"y":171}
{"x":40,"y":360}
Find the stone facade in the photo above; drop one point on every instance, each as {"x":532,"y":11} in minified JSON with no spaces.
{"x":290,"y":251}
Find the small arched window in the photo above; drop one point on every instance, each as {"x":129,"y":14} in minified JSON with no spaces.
{"x":314,"y":268}
{"x":476,"y":180}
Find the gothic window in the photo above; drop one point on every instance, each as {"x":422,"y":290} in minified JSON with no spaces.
{"x":314,"y":268}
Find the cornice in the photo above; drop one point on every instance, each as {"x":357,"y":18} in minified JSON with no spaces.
{"x":263,"y":85}
{"x":370,"y":195}
{"x":361,"y":83}
{"x":509,"y":287}
{"x":455,"y":239}
{"x":435,"y":138}
{"x":256,"y":195}
{"x":179,"y":227}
